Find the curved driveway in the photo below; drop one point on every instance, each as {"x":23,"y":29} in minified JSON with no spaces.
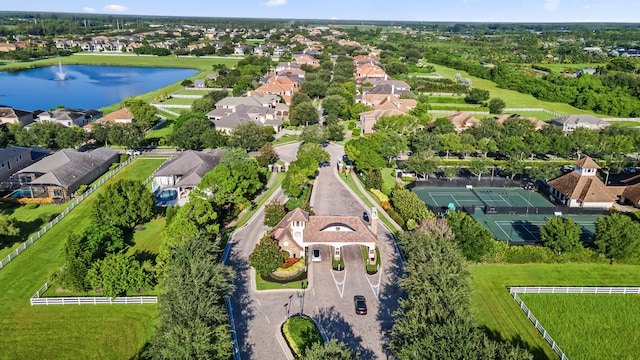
{"x":329,"y":298}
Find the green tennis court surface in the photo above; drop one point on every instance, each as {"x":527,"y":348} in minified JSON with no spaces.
{"x":526,"y":228}
{"x":489,"y":197}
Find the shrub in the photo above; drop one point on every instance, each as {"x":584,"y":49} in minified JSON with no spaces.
{"x":301,"y":333}
{"x":31,"y":206}
{"x":382,"y":197}
{"x":385,"y":205}
{"x":408,"y":178}
{"x":124,"y":157}
{"x":81,"y":189}
{"x":351,"y":124}
{"x":395,"y":216}
{"x":289,"y":262}
{"x":356,"y":132}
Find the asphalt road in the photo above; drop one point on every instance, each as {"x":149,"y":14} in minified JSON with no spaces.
{"x":329,"y":298}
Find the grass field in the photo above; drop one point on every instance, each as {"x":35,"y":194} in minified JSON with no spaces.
{"x":162,"y":131}
{"x":562,"y":67}
{"x":29,"y":222}
{"x":178,"y":101}
{"x":446,"y":100}
{"x":590,"y":326}
{"x":68,"y":332}
{"x":495,"y":309}
{"x":512,"y":98}
{"x":540,"y":115}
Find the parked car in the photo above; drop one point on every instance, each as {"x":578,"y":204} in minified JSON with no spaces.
{"x":134,"y":152}
{"x":316,"y":256}
{"x":365,"y":216}
{"x":630,"y":170}
{"x":360,"y":304}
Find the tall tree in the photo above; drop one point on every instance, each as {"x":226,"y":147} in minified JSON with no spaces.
{"x":125,"y":204}
{"x":267,"y":256}
{"x":479,"y":165}
{"x":616,"y":236}
{"x":274,"y":212}
{"x":314,"y":134}
{"x":332,"y":350}
{"x":248,"y":136}
{"x":268,"y":155}
{"x":496,"y":105}
{"x":561,"y":235}
{"x":117,"y":274}
{"x":472,"y":238}
{"x":409,"y":206}
{"x":192,"y":317}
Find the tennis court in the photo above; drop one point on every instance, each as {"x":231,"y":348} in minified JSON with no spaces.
{"x":492,"y":198}
{"x":526,"y":228}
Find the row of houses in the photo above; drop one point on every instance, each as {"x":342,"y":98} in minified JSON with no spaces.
{"x":66,"y":117}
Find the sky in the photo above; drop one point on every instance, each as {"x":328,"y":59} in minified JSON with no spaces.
{"x":408,"y":10}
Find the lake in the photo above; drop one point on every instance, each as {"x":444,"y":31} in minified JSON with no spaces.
{"x":85,"y":86}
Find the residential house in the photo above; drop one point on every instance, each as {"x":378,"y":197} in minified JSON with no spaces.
{"x":539,"y":124}
{"x":15,"y":158}
{"x":184,"y":173}
{"x":298,"y":231}
{"x":368,"y":70}
{"x":631,"y":195}
{"x":199,"y":84}
{"x":368,"y":119}
{"x":58,"y":176}
{"x":284,"y":86}
{"x":462,"y":120}
{"x":228,"y":119}
{"x":9,"y":115}
{"x":582,"y":187}
{"x":304,"y":59}
{"x":69,"y":117}
{"x":6,"y":47}
{"x":383,"y":106}
{"x":122,"y":116}
{"x":568,"y":123}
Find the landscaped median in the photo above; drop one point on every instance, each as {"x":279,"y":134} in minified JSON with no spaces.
{"x":301,"y":333}
{"x":291,"y":275}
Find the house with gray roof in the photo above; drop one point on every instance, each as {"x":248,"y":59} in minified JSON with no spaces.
{"x":569,"y":123}
{"x":69,"y":117}
{"x":180,"y":175}
{"x":263,"y":110}
{"x":9,"y":115}
{"x":16,"y":158}
{"x":58,"y":176}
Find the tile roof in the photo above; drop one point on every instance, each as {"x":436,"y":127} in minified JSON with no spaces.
{"x":583,"y":188}
{"x":587,"y":162}
{"x":632,"y":193}
{"x":462,"y":120}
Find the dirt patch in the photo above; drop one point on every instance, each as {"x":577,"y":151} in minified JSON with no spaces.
{"x":139,"y":228}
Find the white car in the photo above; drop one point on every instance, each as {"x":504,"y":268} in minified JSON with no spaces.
{"x":133,"y":152}
{"x":315,"y":255}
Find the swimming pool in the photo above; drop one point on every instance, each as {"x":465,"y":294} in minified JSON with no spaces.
{"x":21,"y":193}
{"x":167,"y":195}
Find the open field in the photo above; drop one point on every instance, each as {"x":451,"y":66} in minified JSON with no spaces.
{"x":540,"y":115}
{"x":590,"y":326}
{"x":512,"y":98}
{"x":178,"y":101}
{"x":562,"y":67}
{"x":495,"y":309}
{"x":162,"y":131}
{"x":446,"y":100}
{"x":70,"y":332}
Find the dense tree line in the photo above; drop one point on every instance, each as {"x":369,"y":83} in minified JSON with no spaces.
{"x":434,"y":319}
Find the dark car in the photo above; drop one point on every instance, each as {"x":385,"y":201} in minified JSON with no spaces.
{"x":361,"y":304}
{"x":365,"y":216}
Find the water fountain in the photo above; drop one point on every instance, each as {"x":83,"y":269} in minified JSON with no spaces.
{"x":60,"y":74}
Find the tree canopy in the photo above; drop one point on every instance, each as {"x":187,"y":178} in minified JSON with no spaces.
{"x":125,"y":204}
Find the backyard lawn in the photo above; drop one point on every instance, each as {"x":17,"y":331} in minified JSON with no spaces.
{"x":73,"y":332}
{"x":29,"y":222}
{"x":495,"y":309}
{"x":590,"y":326}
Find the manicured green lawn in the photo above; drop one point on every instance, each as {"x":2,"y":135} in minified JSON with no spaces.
{"x":626,"y":123}
{"x":285,"y":139}
{"x":388,"y":177}
{"x":162,"y":131}
{"x":562,"y":67}
{"x":192,"y":92}
{"x":29,"y":222}
{"x":540,"y":115}
{"x":495,"y":309}
{"x":177,"y":101}
{"x":590,"y":326}
{"x":446,"y":100}
{"x":267,"y":285}
{"x":148,"y":241}
{"x":512,"y":98}
{"x":72,"y":332}
{"x":301,"y":333}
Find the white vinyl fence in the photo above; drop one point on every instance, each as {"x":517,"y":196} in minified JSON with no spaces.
{"x":574,"y":290}
{"x":514,"y":291}
{"x":57,"y":219}
{"x":94,"y":300}
{"x":539,"y":326}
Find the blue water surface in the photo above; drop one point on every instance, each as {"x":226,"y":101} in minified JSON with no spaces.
{"x":86,"y":86}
